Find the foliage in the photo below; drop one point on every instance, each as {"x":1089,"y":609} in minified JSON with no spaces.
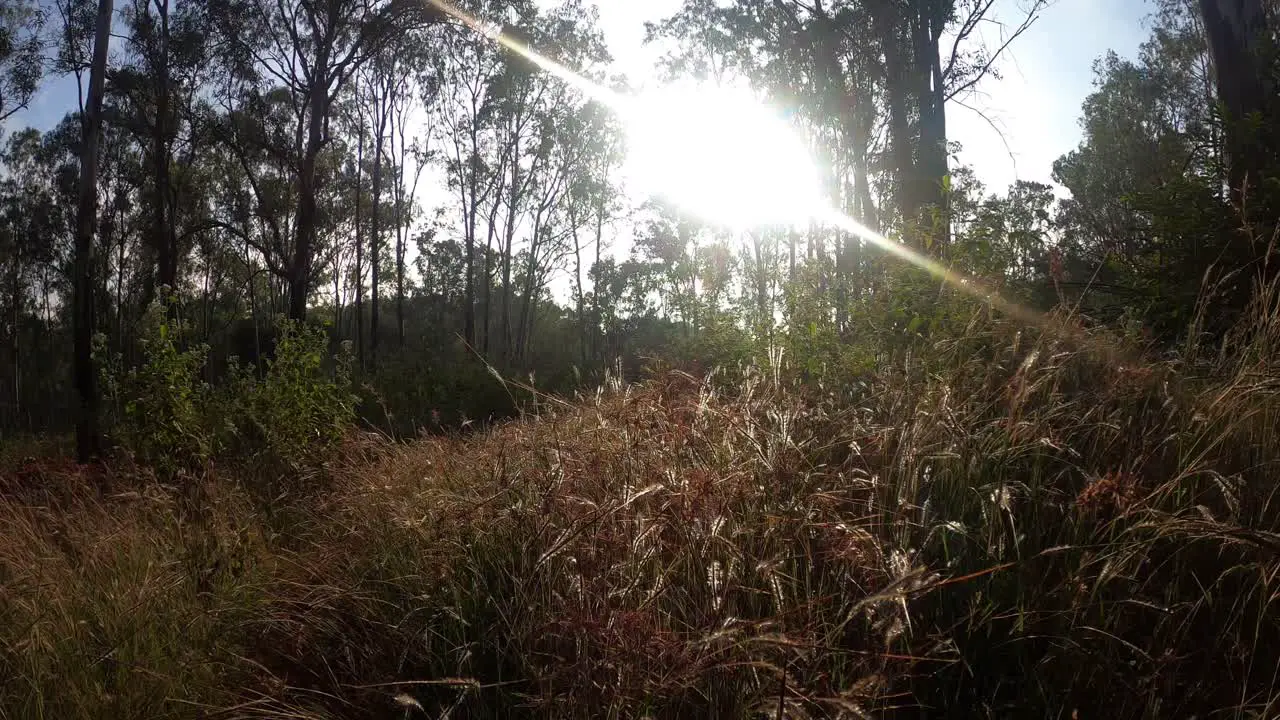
{"x":303,"y":403}
{"x":163,"y":404}
{"x":170,"y":418}
{"x":796,"y":478}
{"x":1028,"y":524}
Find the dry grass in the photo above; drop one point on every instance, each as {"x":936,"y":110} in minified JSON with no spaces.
{"x":1012,"y":528}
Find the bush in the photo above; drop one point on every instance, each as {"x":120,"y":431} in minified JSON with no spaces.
{"x":171,"y":419}
{"x":298,"y":408}
{"x":161,"y":407}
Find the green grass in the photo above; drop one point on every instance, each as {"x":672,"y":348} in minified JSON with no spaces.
{"x":1006,"y":526}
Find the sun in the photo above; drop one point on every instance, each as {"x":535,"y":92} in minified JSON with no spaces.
{"x":721,"y":154}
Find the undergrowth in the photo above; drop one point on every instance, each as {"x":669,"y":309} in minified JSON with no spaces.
{"x":286,"y":412}
{"x":1003,"y":525}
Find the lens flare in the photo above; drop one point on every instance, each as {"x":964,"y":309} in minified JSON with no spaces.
{"x":696,"y":146}
{"x":720,"y":154}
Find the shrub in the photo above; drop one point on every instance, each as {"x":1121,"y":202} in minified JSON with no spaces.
{"x":299,"y":407}
{"x":161,"y":406}
{"x":172,"y":420}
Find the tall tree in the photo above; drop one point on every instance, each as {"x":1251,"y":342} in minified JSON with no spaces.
{"x":359,"y":268}
{"x":27,"y":235}
{"x":463,"y":119}
{"x":834,"y":60}
{"x":1147,"y":216}
{"x":404,"y":149}
{"x":167,"y":43}
{"x":591,"y":201}
{"x":383,"y":84}
{"x":86,"y":213}
{"x":311,"y":50}
{"x":1243,"y":44}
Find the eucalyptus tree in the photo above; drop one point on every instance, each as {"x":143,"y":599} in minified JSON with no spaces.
{"x":1147,"y":215}
{"x":125,"y":283}
{"x":409,"y":145}
{"x":158,"y":89}
{"x":849,"y":67}
{"x":382,"y":81}
{"x":667,"y":243}
{"x":461,"y":116}
{"x":87,"y":440}
{"x":592,"y":201}
{"x":1242,"y":39}
{"x":309,"y":51}
{"x":27,"y":256}
{"x":555,"y":155}
{"x":257,"y":132}
{"x":393,"y":89}
{"x":22,"y":51}
{"x":522,"y":95}
{"x":354,"y":125}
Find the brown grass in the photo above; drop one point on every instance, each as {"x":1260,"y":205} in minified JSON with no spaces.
{"x":1008,"y":527}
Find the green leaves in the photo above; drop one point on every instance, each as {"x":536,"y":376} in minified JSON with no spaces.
{"x":163,"y":402}
{"x":173,"y":421}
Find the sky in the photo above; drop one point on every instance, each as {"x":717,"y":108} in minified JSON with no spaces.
{"x":1034,"y":106}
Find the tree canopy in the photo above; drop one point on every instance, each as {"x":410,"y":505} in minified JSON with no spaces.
{"x":438,"y":201}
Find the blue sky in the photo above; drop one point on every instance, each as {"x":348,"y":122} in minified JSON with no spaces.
{"x":1045,"y":78}
{"x":1036,"y":104}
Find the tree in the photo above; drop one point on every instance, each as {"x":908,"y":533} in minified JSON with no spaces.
{"x":418,"y":85}
{"x":590,"y":203}
{"x":27,"y":228}
{"x":1147,"y":217}
{"x":462,"y":118}
{"x":21,"y":54}
{"x":86,"y":212}
{"x":310,"y":50}
{"x":167,"y":44}
{"x":383,"y":84}
{"x":1244,"y":50}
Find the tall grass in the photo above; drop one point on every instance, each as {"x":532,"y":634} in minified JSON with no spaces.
{"x":1006,"y":524}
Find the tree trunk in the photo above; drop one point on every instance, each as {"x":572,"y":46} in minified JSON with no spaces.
{"x":253,"y":303}
{"x":307,"y":223}
{"x":398,"y":123}
{"x":524,"y":328}
{"x":359,"y":255}
{"x":508,"y":250}
{"x":579,"y":292}
{"x":487,"y":274}
{"x":163,"y":233}
{"x":793,"y":239}
{"x":120,"y":281}
{"x":931,"y":170}
{"x":469,"y":312}
{"x":15,"y":344}
{"x":597,"y":349}
{"x":1243,"y":52}
{"x":375,"y":231}
{"x":487,"y":262}
{"x":87,"y":443}
{"x":337,"y":295}
{"x":400,"y":250}
{"x":529,"y":305}
{"x":887,"y":26}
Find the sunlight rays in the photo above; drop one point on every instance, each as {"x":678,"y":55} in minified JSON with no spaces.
{"x":590,"y":89}
{"x":722,"y":155}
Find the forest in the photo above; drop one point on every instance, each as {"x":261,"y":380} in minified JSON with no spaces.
{"x":405,"y":358}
